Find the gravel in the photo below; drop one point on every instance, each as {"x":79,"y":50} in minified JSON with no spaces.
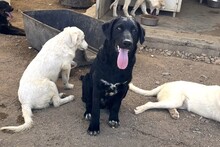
{"x":184,"y":55}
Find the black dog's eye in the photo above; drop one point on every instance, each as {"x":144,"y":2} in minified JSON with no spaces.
{"x":119,"y":28}
{"x":134,"y":31}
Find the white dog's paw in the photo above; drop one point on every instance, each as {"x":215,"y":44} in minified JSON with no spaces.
{"x":133,"y":14}
{"x":71,"y":97}
{"x":145,"y":13}
{"x":174,"y":113}
{"x":68,"y":86}
{"x":61,"y":94}
{"x":115,"y":15}
{"x":138,"y":110}
{"x":129,"y":16}
{"x":175,"y":116}
{"x":73,"y":64}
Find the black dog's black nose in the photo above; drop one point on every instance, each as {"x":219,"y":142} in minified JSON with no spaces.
{"x":127,"y":43}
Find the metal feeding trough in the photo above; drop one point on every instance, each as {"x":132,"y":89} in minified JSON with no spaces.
{"x":41,"y":25}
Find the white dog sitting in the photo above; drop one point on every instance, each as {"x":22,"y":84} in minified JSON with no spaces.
{"x":197,"y":98}
{"x":37,"y":87}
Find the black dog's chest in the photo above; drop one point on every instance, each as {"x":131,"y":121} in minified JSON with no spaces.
{"x":110,"y":89}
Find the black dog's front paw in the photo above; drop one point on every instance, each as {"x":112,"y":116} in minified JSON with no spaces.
{"x":88,"y":116}
{"x":113,"y":123}
{"x":93,"y":130}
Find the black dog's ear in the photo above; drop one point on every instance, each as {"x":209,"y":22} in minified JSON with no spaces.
{"x":107,"y":28}
{"x":141,"y":33}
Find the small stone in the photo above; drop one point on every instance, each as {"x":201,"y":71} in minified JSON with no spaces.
{"x":141,"y":48}
{"x":193,"y":115}
{"x":157,"y":82}
{"x":207,"y":60}
{"x":166,"y":74}
{"x":204,"y":76}
{"x":169,"y":53}
{"x":204,"y":55}
{"x":178,"y":53}
{"x":217,"y":62}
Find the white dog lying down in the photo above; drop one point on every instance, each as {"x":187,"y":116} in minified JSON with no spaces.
{"x":37,"y":87}
{"x":197,"y":98}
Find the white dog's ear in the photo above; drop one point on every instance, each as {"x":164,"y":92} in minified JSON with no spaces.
{"x":70,"y":36}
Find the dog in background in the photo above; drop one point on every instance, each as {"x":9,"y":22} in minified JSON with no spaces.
{"x":37,"y":88}
{"x":194,"y":97}
{"x":5,"y":16}
{"x":107,"y":82}
{"x":152,"y":4}
{"x":114,"y":5}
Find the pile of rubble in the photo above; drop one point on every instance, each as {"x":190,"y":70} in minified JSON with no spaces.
{"x":185,"y":55}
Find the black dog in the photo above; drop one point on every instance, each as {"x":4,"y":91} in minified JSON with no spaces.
{"x":107,"y":82}
{"x":5,"y":26}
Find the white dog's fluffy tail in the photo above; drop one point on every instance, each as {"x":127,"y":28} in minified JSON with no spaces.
{"x":27,"y":114}
{"x":114,"y":3}
{"x":152,"y":92}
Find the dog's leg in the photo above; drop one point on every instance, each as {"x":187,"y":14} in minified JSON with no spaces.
{"x":73,"y":64}
{"x":151,"y":10}
{"x":113,"y":117}
{"x":115,"y":107}
{"x":161,"y":104}
{"x":125,"y":8}
{"x":87,"y":96}
{"x":144,"y":8}
{"x":65,"y":76}
{"x":57,"y":101}
{"x":97,"y":9}
{"x":94,"y":127}
{"x":174,"y":113}
{"x":157,"y":11}
{"x":56,"y":98}
{"x":136,"y":6}
{"x":114,"y":5}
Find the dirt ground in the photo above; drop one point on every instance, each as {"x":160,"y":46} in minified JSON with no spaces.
{"x":65,"y":126}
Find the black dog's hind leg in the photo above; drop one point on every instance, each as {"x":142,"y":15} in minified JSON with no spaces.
{"x":87,"y":95}
{"x":92,"y":100}
{"x":94,"y":127}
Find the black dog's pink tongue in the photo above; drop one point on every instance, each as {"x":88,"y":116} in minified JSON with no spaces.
{"x":122,"y":60}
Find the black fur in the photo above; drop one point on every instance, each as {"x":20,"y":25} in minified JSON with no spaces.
{"x":5,"y":26}
{"x":125,"y":33}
